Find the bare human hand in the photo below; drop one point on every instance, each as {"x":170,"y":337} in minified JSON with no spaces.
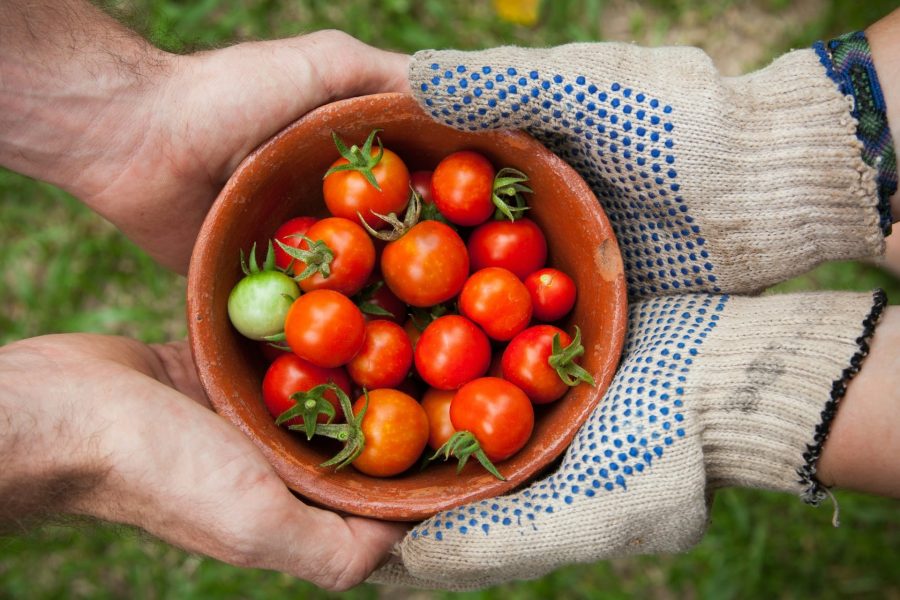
{"x":134,"y":442}
{"x":147,"y":138}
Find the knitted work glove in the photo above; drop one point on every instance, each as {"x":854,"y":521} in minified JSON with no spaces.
{"x":713,"y":391}
{"x":711,"y":183}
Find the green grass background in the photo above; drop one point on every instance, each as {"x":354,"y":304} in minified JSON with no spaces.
{"x":65,"y":269}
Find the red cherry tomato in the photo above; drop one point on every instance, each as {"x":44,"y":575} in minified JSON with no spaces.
{"x":526,"y":363}
{"x":496,"y":300}
{"x":427,"y":265}
{"x":462,"y":186}
{"x":452,"y":351}
{"x":353,"y":256}
{"x":437,"y":406}
{"x":289,"y":234}
{"x":325,"y":328}
{"x":519,"y":246}
{"x":385,"y":358}
{"x":349,"y":192}
{"x":552,"y":294}
{"x":421,"y":182}
{"x":289,"y":374}
{"x":396,"y":431}
{"x":497,"y":413}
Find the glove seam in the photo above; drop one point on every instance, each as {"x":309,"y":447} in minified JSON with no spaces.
{"x":813,"y":491}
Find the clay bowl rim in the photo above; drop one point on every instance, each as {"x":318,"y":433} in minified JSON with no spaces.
{"x":349,"y":491}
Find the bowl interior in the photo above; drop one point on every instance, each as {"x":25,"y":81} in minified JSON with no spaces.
{"x":283,"y":179}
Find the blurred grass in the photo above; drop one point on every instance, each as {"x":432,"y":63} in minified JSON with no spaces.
{"x":65,"y":269}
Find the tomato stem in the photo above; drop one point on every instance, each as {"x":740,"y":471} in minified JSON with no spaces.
{"x":462,"y":445}
{"x":358,"y":159}
{"x":249,"y":265}
{"x":510,"y":183}
{"x":563,"y":360}
{"x":309,"y":405}
{"x":317,"y":257}
{"x":269,"y":264}
{"x":350,"y":433}
{"x":398,"y":227}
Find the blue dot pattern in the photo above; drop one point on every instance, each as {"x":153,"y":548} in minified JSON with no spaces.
{"x":641,"y":416}
{"x":621,"y":140}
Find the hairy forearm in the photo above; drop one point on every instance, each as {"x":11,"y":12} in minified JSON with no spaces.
{"x":49,"y":459}
{"x":71,"y":77}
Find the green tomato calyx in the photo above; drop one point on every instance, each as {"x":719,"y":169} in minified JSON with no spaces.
{"x":398,"y":227}
{"x":509,"y":185}
{"x":359,"y":159}
{"x":251,"y":266}
{"x":309,"y":405}
{"x":462,"y":445}
{"x":317,"y":257}
{"x":563,"y":361}
{"x":349,"y":433}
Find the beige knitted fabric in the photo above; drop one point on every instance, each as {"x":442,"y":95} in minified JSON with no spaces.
{"x":712,"y":183}
{"x":713,"y":391}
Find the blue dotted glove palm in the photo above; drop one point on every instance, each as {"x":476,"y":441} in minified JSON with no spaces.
{"x":713,"y":391}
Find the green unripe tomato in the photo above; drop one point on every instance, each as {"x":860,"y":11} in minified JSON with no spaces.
{"x":259,"y":302}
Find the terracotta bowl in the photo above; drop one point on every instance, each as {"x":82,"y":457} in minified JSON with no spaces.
{"x":283,"y":179}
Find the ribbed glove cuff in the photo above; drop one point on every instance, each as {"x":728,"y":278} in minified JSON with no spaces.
{"x":771,"y":384}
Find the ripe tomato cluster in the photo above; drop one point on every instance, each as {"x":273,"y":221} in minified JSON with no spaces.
{"x":441,"y":324}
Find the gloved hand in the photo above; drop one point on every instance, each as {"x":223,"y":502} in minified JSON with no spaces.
{"x":722,"y":185}
{"x":711,"y":183}
{"x":713,"y":391}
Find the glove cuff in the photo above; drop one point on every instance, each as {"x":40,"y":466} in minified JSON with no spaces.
{"x":848,"y":61}
{"x":788,"y":188}
{"x":772,"y":383}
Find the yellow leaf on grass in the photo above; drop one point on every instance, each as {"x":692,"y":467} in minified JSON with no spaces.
{"x":521,"y":12}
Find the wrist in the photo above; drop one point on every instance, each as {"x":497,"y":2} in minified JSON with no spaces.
{"x":862,"y":446}
{"x":775,"y":379}
{"x":77,"y":93}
